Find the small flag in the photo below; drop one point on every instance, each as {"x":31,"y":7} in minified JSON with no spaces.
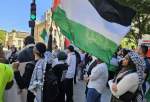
{"x":44,"y":36}
{"x":67,"y":43}
{"x":95,"y":26}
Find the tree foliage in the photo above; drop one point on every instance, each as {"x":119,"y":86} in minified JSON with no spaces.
{"x":2,"y":36}
{"x":141,"y":22}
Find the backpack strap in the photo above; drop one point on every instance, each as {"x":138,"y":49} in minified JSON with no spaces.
{"x":128,"y":72}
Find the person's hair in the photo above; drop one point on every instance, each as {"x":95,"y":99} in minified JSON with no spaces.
{"x":144,"y":49}
{"x":131,"y":64}
{"x":41,"y":49}
{"x":29,"y":40}
{"x":62,"y":56}
{"x":125,"y":52}
{"x":71,"y":48}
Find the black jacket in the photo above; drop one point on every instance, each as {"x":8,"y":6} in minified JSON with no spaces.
{"x":26,"y":54}
{"x":58,"y":70}
{"x":23,"y":82}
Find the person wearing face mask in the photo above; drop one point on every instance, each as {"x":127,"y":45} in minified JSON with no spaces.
{"x":127,"y":85}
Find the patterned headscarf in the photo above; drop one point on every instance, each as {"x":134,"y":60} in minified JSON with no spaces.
{"x":140,"y":66}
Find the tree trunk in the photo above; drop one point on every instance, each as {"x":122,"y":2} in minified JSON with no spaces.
{"x":139,"y":26}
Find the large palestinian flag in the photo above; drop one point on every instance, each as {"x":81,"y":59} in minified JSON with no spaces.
{"x":95,"y":26}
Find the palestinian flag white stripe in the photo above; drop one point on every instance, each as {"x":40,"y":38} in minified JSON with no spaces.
{"x":82,"y":12}
{"x":80,"y":22}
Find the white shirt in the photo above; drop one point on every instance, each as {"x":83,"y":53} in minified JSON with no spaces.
{"x":99,"y":77}
{"x":128,"y":83}
{"x":71,"y":60}
{"x":48,"y":57}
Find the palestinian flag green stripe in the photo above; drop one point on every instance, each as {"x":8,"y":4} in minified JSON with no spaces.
{"x":85,"y":38}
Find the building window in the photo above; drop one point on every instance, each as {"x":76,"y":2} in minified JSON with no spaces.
{"x":19,"y":42}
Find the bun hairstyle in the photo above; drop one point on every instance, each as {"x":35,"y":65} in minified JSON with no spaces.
{"x":71,"y":48}
{"x":40,"y":49}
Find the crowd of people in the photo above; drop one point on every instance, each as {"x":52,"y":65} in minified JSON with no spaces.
{"x":51,"y":76}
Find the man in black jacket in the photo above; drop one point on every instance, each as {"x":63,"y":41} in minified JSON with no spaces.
{"x":26,"y":55}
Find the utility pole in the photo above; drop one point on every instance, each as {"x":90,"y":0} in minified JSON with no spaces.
{"x":50,"y":40}
{"x":32,"y":17}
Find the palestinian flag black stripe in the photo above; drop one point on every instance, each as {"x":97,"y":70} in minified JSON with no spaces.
{"x":114,"y":12}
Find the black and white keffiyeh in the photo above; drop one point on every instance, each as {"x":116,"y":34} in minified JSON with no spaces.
{"x":140,"y":67}
{"x":37,"y":79}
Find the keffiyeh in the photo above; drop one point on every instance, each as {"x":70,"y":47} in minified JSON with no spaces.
{"x":140,"y":65}
{"x":37,"y":79}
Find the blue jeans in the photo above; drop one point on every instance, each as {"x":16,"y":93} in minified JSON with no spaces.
{"x":93,"y":95}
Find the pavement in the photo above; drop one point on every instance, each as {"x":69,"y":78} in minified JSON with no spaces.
{"x":79,"y":92}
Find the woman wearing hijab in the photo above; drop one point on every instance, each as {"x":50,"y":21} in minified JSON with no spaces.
{"x":60,"y":70}
{"x":37,"y":79}
{"x":127,"y":86}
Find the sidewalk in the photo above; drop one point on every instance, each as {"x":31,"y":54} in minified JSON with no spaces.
{"x":79,"y":92}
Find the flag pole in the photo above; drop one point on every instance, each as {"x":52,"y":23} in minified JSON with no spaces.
{"x":50,"y":40}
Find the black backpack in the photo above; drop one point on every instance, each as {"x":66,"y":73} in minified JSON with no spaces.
{"x":51,"y":88}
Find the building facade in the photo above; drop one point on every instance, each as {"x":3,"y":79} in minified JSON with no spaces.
{"x":15,"y":38}
{"x":46,"y":23}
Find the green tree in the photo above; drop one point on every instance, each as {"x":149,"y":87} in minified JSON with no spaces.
{"x":141,"y":22}
{"x":2,"y":36}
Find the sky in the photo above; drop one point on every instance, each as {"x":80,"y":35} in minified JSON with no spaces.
{"x":15,"y":14}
